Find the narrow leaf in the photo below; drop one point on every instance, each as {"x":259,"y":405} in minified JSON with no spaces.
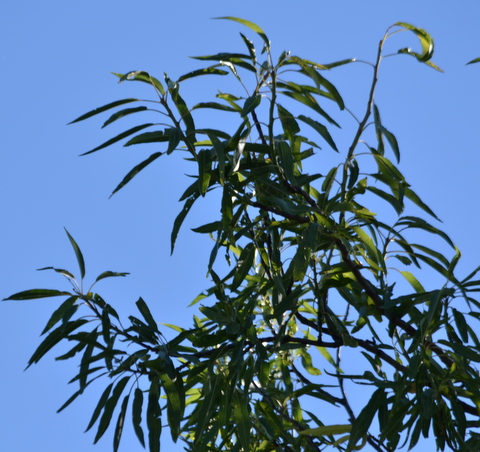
{"x":78,"y":254}
{"x":59,"y":313}
{"x":120,"y":424}
{"x":34,"y":294}
{"x":110,"y":407}
{"x":250,"y":25}
{"x":204,"y":71}
{"x":133,"y":172}
{"x":109,"y":274}
{"x":137,"y":415}
{"x":179,"y":220}
{"x":122,"y":113}
{"x":147,"y":315}
{"x":119,"y":137}
{"x":321,"y":129}
{"x":104,"y":108}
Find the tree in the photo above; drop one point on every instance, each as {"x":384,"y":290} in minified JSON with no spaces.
{"x":309,"y":274}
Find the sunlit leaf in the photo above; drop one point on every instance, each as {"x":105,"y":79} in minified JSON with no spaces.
{"x":250,"y":25}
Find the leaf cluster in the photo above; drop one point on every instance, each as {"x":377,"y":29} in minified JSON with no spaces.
{"x":309,"y":271}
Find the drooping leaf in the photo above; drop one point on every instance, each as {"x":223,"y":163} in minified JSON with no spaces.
{"x":134,"y":171}
{"x":110,"y":406}
{"x":59,"y":313}
{"x":120,"y":424}
{"x":104,"y":108}
{"x":123,"y":113}
{"x":425,"y":39}
{"x":179,"y":220}
{"x":321,"y":129}
{"x":154,"y":413}
{"x":53,"y":338}
{"x":142,"y":76}
{"x":137,"y":408}
{"x":119,"y":137}
{"x":476,"y":60}
{"x":250,"y":25}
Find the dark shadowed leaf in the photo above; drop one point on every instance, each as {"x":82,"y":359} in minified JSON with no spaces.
{"x":122,"y":113}
{"x":34,"y":294}
{"x":133,"y":172}
{"x":120,"y":424}
{"x":78,"y":254}
{"x":137,"y":408}
{"x":119,"y":137}
{"x":104,"y":108}
{"x":110,"y":407}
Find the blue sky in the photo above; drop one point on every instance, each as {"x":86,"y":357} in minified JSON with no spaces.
{"x":56,"y":61}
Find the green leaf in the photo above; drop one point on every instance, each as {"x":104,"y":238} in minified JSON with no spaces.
{"x":100,"y":405}
{"x":59,"y":313}
{"x":142,"y":76}
{"x":329,"y":180}
{"x":362,"y":423}
{"x":220,"y":151}
{"x":244,"y":264}
{"x":179,"y":220}
{"x":308,"y":100}
{"x":204,"y":170}
{"x":321,"y":129}
{"x":147,"y":315}
{"x":175,"y":403}
{"x":413,"y":281}
{"x":461,"y":323}
{"x":119,"y":137}
{"x":110,"y":407}
{"x":123,"y":113}
{"x":34,"y":294}
{"x":286,"y":161}
{"x":425,"y":39}
{"x":104,"y":108}
{"x":174,"y":137}
{"x":59,"y":270}
{"x":120,"y":424}
{"x":78,"y":254}
{"x":148,"y":137}
{"x":154,"y":413}
{"x":204,"y":71}
{"x":250,"y":104}
{"x":476,"y":60}
{"x":134,"y":171}
{"x":137,"y":415}
{"x":242,"y":419}
{"x":109,"y":274}
{"x":215,"y":106}
{"x":54,"y":337}
{"x":327,"y":430}
{"x":288,"y":121}
{"x":250,"y":25}
{"x":251,"y":49}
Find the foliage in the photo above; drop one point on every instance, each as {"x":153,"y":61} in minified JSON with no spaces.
{"x":310,"y":272}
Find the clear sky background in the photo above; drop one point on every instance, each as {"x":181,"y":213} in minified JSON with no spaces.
{"x":55,"y":59}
